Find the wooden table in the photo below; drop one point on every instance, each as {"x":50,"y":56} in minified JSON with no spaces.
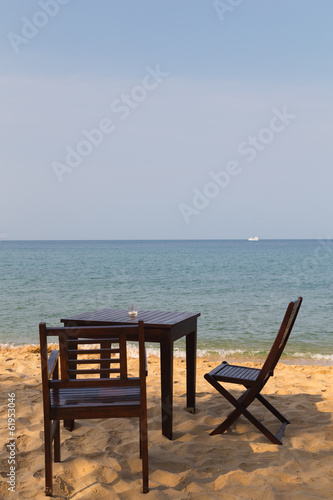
{"x":164,"y":328}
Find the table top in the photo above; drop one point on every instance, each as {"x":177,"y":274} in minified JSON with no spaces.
{"x":158,"y":319}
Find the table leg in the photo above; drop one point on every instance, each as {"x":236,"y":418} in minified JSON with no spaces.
{"x":69,"y":425}
{"x":166,"y":386}
{"x":191,"y":360}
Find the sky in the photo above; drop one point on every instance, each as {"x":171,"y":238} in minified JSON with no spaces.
{"x":166,"y":119}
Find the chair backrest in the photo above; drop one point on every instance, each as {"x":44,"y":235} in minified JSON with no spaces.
{"x":93,"y":356}
{"x":281,"y":339}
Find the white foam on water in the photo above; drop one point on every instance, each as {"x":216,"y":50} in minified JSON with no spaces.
{"x":229,"y":354}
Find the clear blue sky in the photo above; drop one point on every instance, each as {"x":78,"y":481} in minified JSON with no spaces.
{"x":144,"y":119}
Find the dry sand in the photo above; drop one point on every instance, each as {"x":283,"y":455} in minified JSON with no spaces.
{"x":100,"y":458}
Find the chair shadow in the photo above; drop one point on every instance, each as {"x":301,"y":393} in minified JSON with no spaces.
{"x":242,"y":447}
{"x":194,"y":455}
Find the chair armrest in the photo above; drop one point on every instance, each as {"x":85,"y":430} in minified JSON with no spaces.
{"x":53,"y":362}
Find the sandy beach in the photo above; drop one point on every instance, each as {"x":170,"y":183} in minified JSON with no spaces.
{"x":100,"y":458}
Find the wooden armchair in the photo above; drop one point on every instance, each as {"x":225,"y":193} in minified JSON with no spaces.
{"x":96,"y":385}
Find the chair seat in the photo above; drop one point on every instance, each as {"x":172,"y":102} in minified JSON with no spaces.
{"x":95,"y":397}
{"x":233,"y":373}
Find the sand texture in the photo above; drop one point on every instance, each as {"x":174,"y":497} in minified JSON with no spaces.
{"x":100,"y":458}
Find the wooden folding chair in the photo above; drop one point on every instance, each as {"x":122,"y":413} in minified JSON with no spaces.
{"x":93,"y":383}
{"x":254,"y":380}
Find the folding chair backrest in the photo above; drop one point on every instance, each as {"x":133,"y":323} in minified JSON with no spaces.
{"x":281,"y":339}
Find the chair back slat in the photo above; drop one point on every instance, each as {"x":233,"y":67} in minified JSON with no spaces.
{"x":122,"y":357}
{"x":90,"y":361}
{"x":91,"y":371}
{"x":104,"y":351}
{"x":281,"y":339}
{"x":63,"y":349}
{"x":102,"y":359}
{"x":94,"y":353}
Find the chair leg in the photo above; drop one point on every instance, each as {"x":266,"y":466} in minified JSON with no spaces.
{"x":48,"y":458}
{"x":261,"y":427}
{"x":237,"y":403}
{"x":140,"y":438}
{"x":272,"y":409}
{"x":144,"y":453}
{"x":241,"y":405}
{"x":57,"y":442}
{"x":232,"y":417}
{"x":220,"y":429}
{"x":239,"y":410}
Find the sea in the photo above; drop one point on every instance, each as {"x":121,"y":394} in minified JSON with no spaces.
{"x":240,"y":288}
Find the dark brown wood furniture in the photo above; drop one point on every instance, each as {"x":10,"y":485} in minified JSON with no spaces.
{"x":92,"y":383}
{"x":163,"y":328}
{"x":254,"y":380}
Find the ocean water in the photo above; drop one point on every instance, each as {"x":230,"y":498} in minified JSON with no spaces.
{"x":241,"y":289}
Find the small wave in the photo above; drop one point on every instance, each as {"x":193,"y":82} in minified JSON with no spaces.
{"x":28,"y":347}
{"x":253,"y":355}
{"x":223,"y":353}
{"x":318,"y":357}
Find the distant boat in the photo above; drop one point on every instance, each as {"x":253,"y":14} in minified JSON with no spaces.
{"x":254,"y":238}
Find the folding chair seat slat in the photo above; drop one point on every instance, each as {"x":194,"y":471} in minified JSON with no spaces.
{"x":244,"y":373}
{"x":250,"y":374}
{"x":231,"y":372}
{"x":254,"y":380}
{"x":234,"y":372}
